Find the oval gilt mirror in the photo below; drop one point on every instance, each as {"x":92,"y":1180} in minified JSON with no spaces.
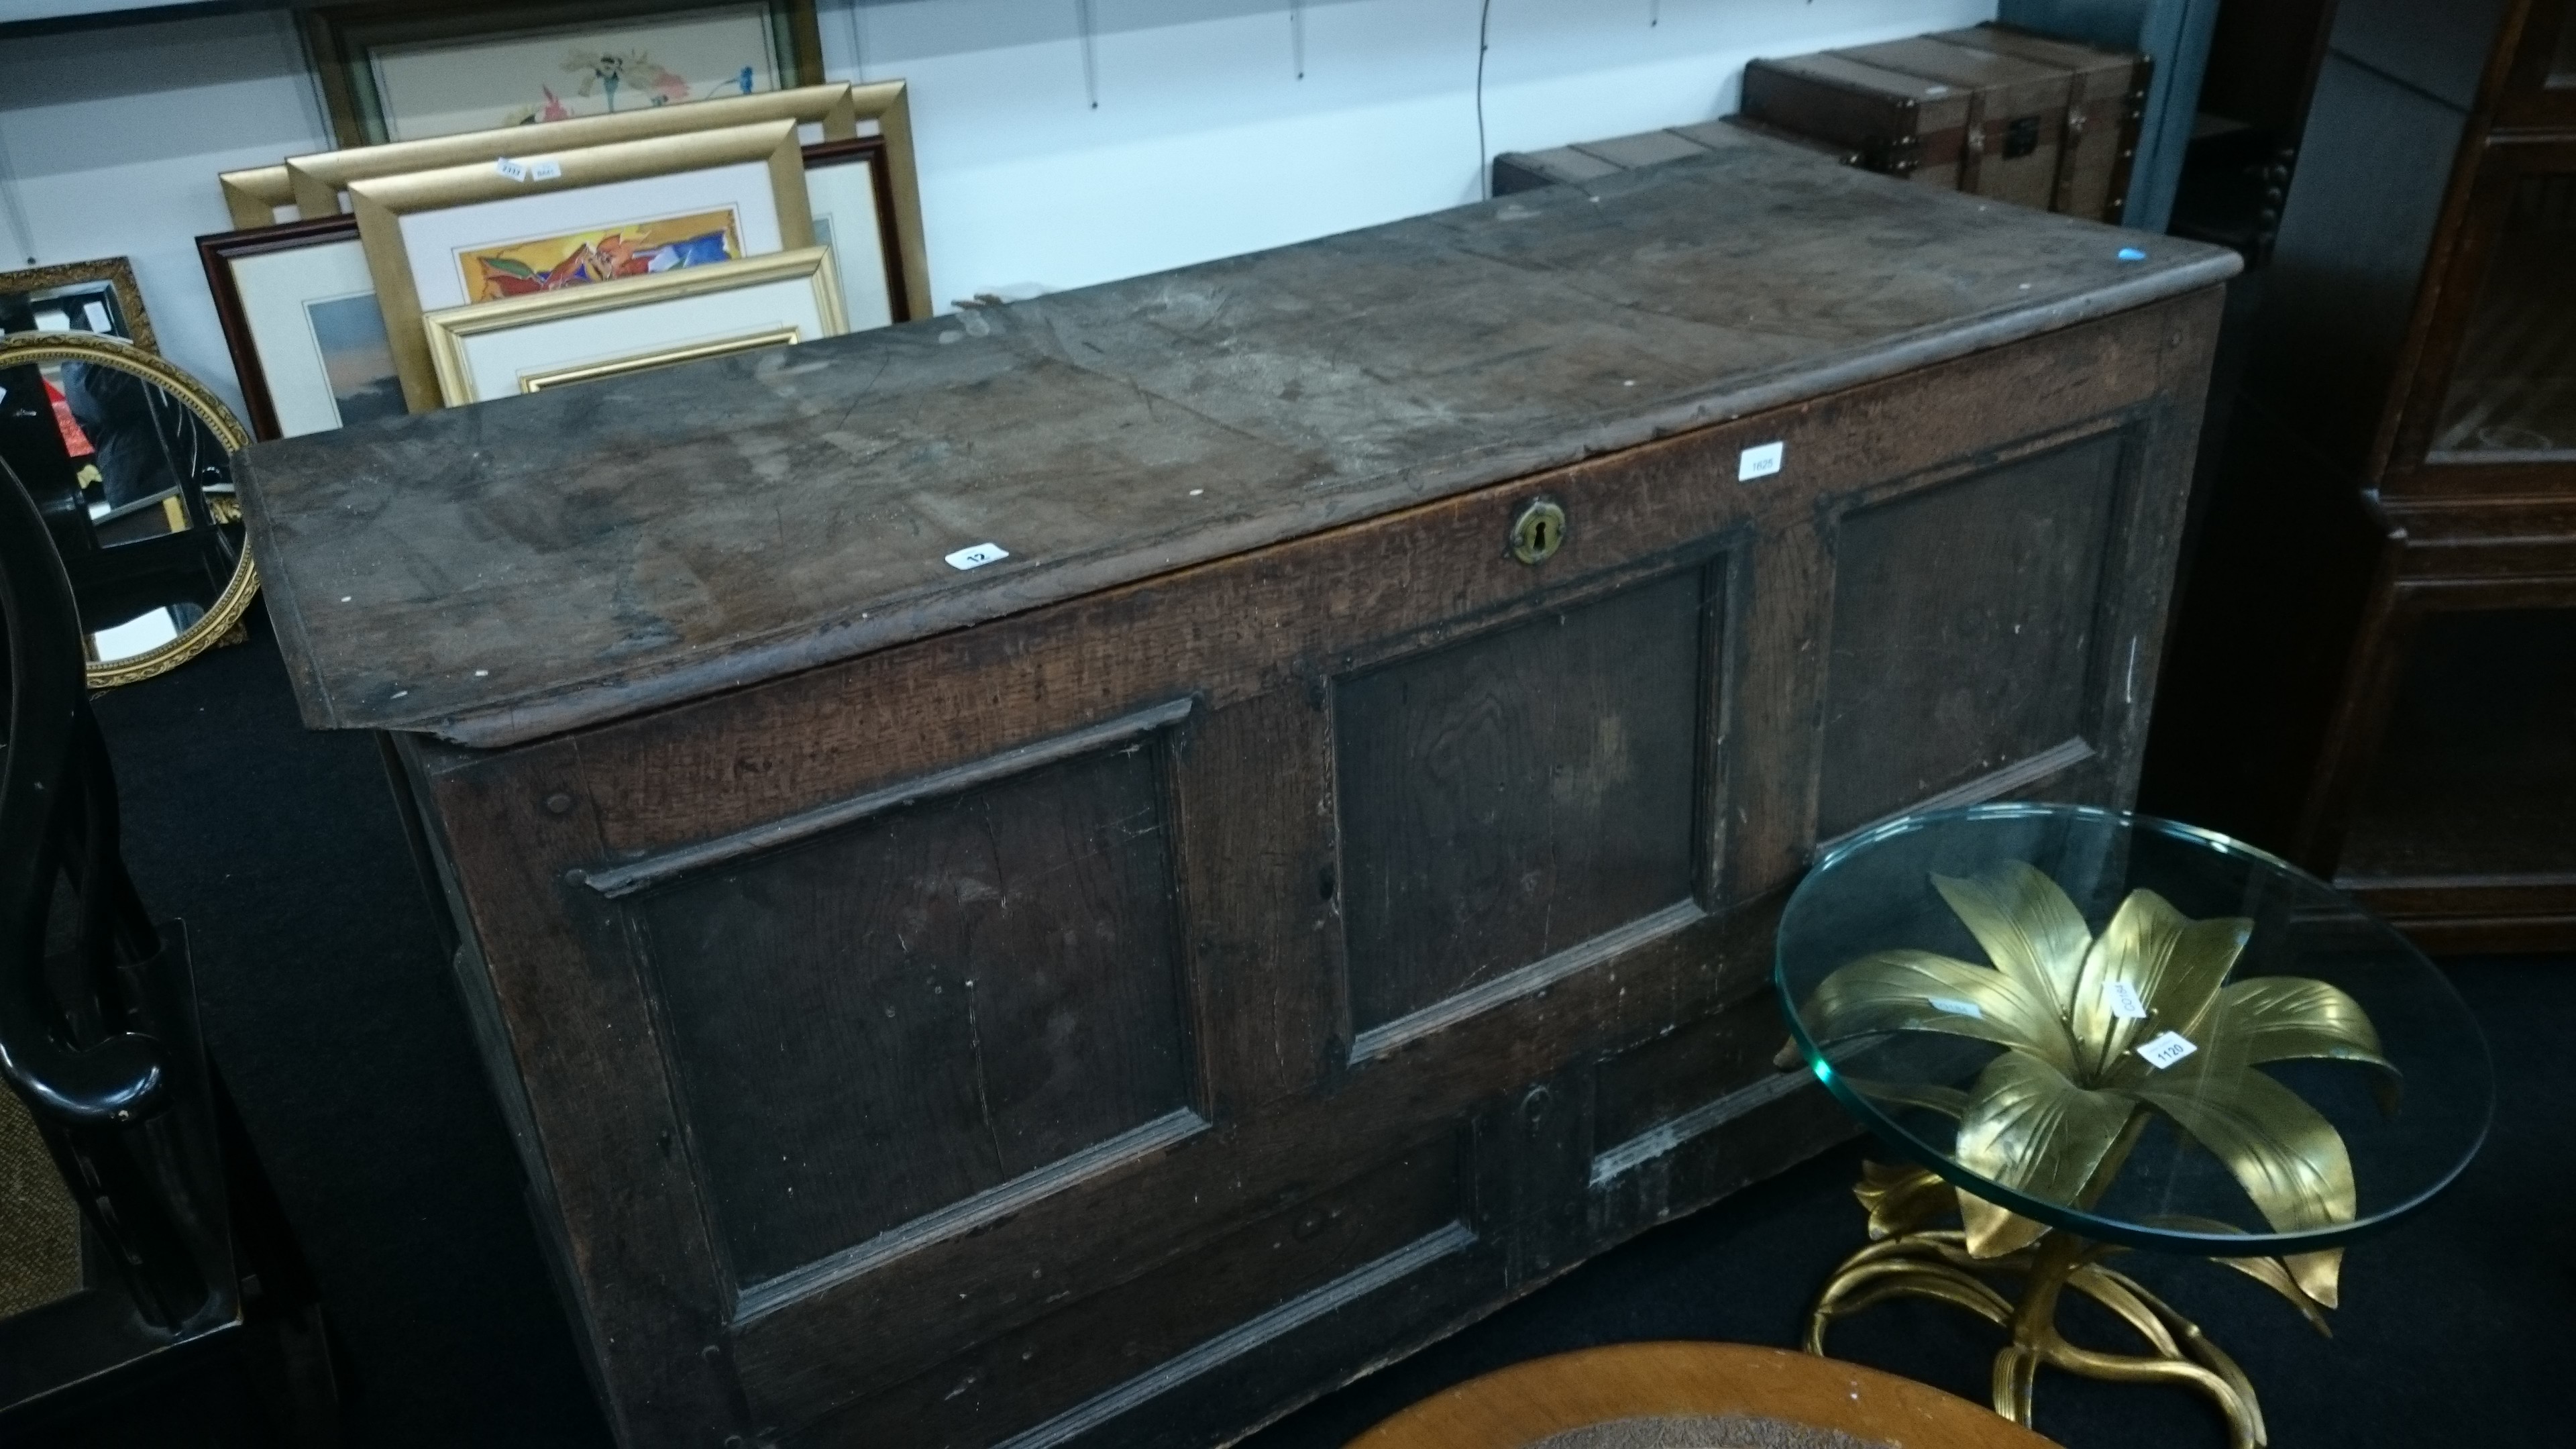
{"x":130,"y":461}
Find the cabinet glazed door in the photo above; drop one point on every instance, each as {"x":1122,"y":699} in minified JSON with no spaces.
{"x":2491,"y":411}
{"x":1117,"y":1023}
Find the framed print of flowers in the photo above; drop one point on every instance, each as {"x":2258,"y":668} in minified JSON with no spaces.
{"x":402,"y":72}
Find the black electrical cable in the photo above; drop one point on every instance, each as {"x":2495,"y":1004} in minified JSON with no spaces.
{"x":1484,"y":163}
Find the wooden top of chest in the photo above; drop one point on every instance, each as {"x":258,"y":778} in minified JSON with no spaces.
{"x":498,"y":573}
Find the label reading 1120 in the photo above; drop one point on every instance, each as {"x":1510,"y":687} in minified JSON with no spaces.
{"x":2167,"y":1049}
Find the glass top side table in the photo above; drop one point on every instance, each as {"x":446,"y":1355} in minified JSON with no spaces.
{"x":2096,"y":1032}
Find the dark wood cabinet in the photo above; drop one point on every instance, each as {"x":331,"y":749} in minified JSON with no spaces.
{"x":2373,"y":667}
{"x":1292,"y":904}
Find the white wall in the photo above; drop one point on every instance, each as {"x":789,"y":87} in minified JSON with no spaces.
{"x":1061,"y":142}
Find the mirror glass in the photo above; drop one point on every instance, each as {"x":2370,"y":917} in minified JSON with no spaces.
{"x":130,"y":461}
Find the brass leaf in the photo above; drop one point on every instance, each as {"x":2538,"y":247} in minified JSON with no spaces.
{"x":2281,"y":1018}
{"x":2175,"y":965}
{"x":2033,"y":1131}
{"x":2028,"y":927}
{"x":2287,"y":1157}
{"x":1898,"y":991}
{"x":1900,"y":1199}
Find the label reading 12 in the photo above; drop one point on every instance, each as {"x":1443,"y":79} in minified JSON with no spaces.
{"x":977,"y":556}
{"x":1760,"y":461}
{"x":2167,"y":1049}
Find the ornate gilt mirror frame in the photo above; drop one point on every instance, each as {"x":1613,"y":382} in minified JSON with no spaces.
{"x":221,"y":621}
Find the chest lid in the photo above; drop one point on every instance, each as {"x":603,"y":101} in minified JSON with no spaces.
{"x":2009,"y":85}
{"x":521,"y":568}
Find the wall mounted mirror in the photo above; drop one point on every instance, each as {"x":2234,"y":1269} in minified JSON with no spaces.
{"x":130,"y":461}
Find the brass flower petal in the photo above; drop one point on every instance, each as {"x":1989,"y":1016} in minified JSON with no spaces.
{"x":2028,"y":927}
{"x":2031,"y":1130}
{"x":1900,"y":1199}
{"x":1898,"y":991}
{"x":2286,"y":1156}
{"x":2174,"y":963}
{"x":2281,"y":1018}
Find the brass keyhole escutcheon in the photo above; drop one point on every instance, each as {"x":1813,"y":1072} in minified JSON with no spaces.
{"x":1539,"y":532}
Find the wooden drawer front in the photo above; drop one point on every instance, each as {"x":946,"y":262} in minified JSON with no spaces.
{"x":1156,"y":1004}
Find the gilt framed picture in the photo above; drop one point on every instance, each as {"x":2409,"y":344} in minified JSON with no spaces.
{"x":397,"y":71}
{"x":308,"y":338}
{"x":480,"y":232}
{"x":542,"y":340}
{"x":317,"y":182}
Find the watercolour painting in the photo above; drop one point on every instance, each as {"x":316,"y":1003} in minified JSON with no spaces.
{"x":574,"y":259}
{"x":357,"y":357}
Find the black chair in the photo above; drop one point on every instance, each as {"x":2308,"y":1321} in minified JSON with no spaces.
{"x":197,"y":1321}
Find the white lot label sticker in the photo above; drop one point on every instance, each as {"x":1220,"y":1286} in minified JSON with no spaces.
{"x":544,"y":170}
{"x":1759,"y":462}
{"x":2167,"y":1049}
{"x":514,"y":170}
{"x":1953,"y":1006}
{"x":977,"y":556}
{"x":2125,"y":1003}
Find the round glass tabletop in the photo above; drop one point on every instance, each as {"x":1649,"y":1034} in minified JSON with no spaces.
{"x":2132,"y":1030}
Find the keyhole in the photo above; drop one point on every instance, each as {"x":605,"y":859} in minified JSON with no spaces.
{"x":1539,"y":531}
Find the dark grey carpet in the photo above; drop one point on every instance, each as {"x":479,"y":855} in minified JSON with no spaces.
{"x":331,"y":1013}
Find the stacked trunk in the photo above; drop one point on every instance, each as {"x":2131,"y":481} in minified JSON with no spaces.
{"x":1993,"y":110}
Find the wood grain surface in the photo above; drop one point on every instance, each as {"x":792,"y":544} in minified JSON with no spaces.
{"x":515,"y":569}
{"x":1285,"y":925}
{"x":1167,"y":1166}
{"x":1519,"y":1406}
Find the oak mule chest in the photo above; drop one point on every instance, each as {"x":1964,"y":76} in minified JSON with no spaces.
{"x":1316,"y":881}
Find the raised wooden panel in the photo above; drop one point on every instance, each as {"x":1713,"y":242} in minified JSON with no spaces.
{"x":1964,"y":630}
{"x":1509,"y":797}
{"x":922,"y":1005}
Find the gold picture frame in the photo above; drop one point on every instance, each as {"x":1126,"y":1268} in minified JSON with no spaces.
{"x":449,"y":332}
{"x":316,"y":181}
{"x":253,"y":194}
{"x":117,"y":272}
{"x":313,"y":183}
{"x":344,"y":39}
{"x":382,"y":203}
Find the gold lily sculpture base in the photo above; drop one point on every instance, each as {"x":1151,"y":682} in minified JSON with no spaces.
{"x":1910,"y":1260}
